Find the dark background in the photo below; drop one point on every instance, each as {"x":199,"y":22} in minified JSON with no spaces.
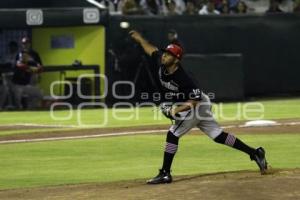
{"x":42,"y":3}
{"x":268,"y":47}
{"x":268,"y":44}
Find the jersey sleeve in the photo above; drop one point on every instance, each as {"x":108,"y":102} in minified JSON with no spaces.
{"x":38,"y":58}
{"x":19,"y":63}
{"x":156,"y":58}
{"x":191,"y":91}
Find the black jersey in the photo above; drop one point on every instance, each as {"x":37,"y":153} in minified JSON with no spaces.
{"x":21,"y":76}
{"x":178,"y":86}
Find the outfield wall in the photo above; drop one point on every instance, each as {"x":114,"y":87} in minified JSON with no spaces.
{"x":89,"y":48}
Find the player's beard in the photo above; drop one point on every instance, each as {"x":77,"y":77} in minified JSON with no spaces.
{"x":168,"y":62}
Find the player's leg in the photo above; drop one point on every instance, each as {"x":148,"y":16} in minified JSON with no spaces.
{"x":8,"y":80}
{"x":234,"y":142}
{"x":258,"y":155}
{"x":175,"y":132}
{"x":34,"y":96}
{"x":211,"y":128}
{"x":164,"y":175}
{"x":3,"y":95}
{"x":17,"y":94}
{"x":170,"y":150}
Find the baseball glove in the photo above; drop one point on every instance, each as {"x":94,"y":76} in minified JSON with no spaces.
{"x":166,"y":109}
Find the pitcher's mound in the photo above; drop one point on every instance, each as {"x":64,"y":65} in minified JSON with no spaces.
{"x":242,"y":185}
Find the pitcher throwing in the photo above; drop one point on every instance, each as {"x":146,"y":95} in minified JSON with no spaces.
{"x":188,"y":106}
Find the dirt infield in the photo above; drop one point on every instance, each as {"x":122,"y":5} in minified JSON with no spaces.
{"x":243,"y":185}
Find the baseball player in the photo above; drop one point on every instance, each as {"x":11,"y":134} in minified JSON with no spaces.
{"x":188,"y":106}
{"x":28,"y":66}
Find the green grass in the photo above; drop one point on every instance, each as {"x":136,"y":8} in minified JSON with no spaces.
{"x":35,"y":130}
{"x":131,"y":157}
{"x":273,"y":109}
{"x":88,"y":117}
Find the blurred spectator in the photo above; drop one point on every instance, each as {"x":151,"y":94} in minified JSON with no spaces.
{"x":10,"y":58}
{"x":190,"y":8}
{"x":209,"y":9}
{"x":297,"y":6}
{"x":28,"y":66}
{"x":241,"y":8}
{"x":128,"y":55}
{"x":9,"y":63}
{"x":180,"y":6}
{"x":171,"y":8}
{"x":173,"y":38}
{"x":114,"y":2}
{"x":114,"y":6}
{"x":233,"y":3}
{"x":130,"y":7}
{"x":219,"y":4}
{"x":274,"y":7}
{"x":153,"y":7}
{"x":224,"y":7}
{"x":199,"y":4}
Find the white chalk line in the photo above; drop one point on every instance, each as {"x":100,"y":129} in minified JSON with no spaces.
{"x":130,"y":133}
{"x":97,"y":126}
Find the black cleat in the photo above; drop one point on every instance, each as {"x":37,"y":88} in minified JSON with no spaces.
{"x":161,"y":178}
{"x":260,"y":159}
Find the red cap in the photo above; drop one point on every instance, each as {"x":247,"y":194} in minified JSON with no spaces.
{"x":175,"y":50}
{"x":25,"y":40}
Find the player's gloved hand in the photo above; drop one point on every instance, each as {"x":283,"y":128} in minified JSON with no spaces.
{"x":33,"y":70}
{"x":167,"y":109}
